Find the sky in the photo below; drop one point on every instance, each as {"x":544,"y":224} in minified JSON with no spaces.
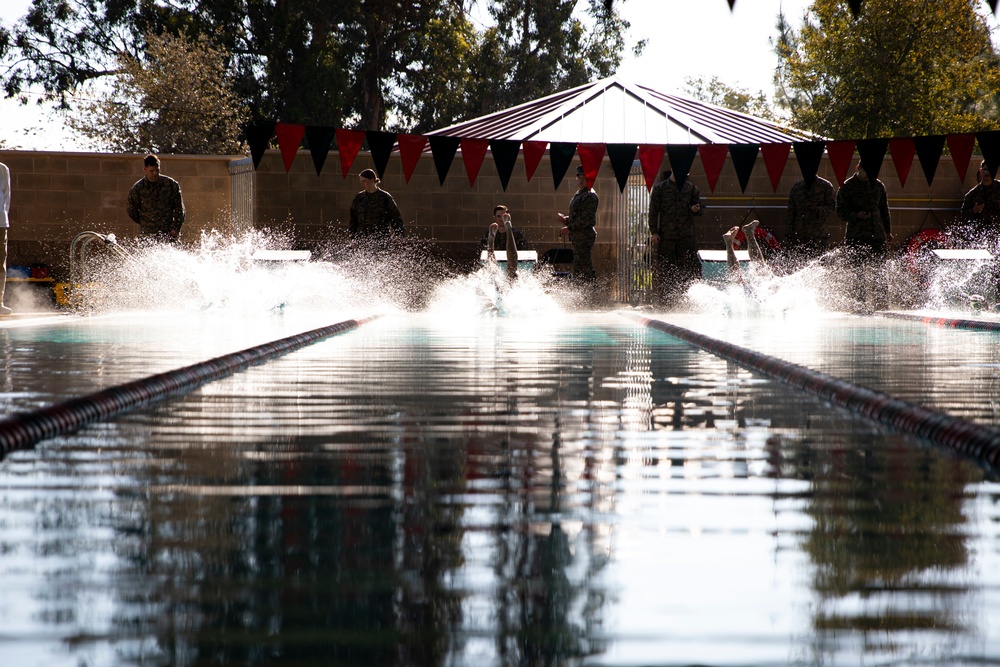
{"x":685,"y":38}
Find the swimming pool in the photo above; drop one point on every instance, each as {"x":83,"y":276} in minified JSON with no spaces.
{"x":551,"y":488}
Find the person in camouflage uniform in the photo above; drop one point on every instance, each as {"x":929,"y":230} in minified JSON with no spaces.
{"x":579,"y":225}
{"x":155,"y":203}
{"x":863,"y":205}
{"x":673,"y":206}
{"x":810,"y":202}
{"x":375,"y":217}
{"x":981,"y":209}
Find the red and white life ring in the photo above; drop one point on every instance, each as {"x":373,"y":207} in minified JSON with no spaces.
{"x":919,"y":243}
{"x":765,"y":239}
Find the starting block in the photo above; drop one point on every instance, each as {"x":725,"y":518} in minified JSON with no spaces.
{"x":526,"y":259}
{"x":975,"y":254}
{"x":714,"y":265}
{"x":281,"y":255}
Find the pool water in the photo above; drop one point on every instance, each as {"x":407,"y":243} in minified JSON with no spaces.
{"x":564,"y":488}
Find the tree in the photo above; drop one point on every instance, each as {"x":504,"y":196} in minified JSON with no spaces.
{"x":720,"y":94}
{"x":903,"y":67}
{"x":178,"y":99}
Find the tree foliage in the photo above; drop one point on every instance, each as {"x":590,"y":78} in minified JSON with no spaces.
{"x":714,"y":91}
{"x":177,"y":99}
{"x":410,"y":65}
{"x":903,"y":67}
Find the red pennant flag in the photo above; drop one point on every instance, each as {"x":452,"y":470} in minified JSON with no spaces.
{"x":713,"y":157}
{"x":775,"y":159}
{"x":961,"y":146}
{"x":591,"y":156}
{"x":473,"y":153}
{"x":289,"y":139}
{"x":902,"y":150}
{"x":533,"y":152}
{"x":410,"y":148}
{"x":841,"y":153}
{"x":348,"y":144}
{"x":651,"y":157}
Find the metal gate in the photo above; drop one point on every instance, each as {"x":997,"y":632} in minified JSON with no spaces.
{"x":634,"y":262}
{"x":241,"y":177}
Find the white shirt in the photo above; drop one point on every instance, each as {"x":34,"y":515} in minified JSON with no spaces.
{"x":4,"y":195}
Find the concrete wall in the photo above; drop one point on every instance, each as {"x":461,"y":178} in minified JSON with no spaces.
{"x":57,"y":195}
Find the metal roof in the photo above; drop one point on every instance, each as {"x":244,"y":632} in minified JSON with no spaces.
{"x":612,"y":111}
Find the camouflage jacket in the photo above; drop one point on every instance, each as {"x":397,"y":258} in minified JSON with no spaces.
{"x":374,"y":214}
{"x":156,"y":206}
{"x":989,"y":197}
{"x":858,"y":196}
{"x":583,"y":215}
{"x":807,"y":211}
{"x":670,"y":213}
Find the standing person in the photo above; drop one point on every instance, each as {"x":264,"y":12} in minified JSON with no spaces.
{"x":981,"y":208}
{"x":4,"y":224}
{"x":510,"y":239}
{"x":580,"y":225}
{"x":155,"y":203}
{"x":810,"y":203}
{"x":375,"y":218}
{"x":863,"y":205}
{"x":672,"y":209}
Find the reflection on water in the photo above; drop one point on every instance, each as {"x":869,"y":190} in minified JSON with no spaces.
{"x":498,"y":491}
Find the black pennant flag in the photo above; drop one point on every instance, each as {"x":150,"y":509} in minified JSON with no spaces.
{"x":808,"y":154}
{"x":504,"y":157}
{"x":319,"y":139}
{"x":744,"y":160}
{"x":855,"y":9}
{"x":561,"y":155}
{"x":380,"y":144}
{"x":622,"y":156}
{"x":989,"y":145}
{"x":993,"y":5}
{"x":681,"y":158}
{"x":443,"y":149}
{"x":259,"y":134}
{"x":929,"y":151}
{"x":872,"y":154}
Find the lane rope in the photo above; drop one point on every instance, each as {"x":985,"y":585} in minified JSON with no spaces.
{"x":953,"y":323}
{"x":981,"y":442}
{"x":24,"y":430}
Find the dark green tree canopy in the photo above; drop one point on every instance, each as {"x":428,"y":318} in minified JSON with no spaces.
{"x":902,"y":67}
{"x":374,"y":64}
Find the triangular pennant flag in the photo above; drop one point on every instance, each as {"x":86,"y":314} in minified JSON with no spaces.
{"x":744,"y":160}
{"x":961,"y":146}
{"x":505,"y":157}
{"x":410,"y":148}
{"x":320,"y":139}
{"x":473,"y":154}
{"x":443,"y":149}
{"x":713,"y":157}
{"x":591,"y":156}
{"x":681,"y":158}
{"x":841,"y":153}
{"x":380,"y":144}
{"x":929,"y":151}
{"x":348,"y":144}
{"x":732,"y":3}
{"x":560,"y":155}
{"x":809,"y":154}
{"x":993,"y":5}
{"x":856,"y":10}
{"x":651,"y":157}
{"x":775,"y":159}
{"x":989,"y":146}
{"x":533,"y":152}
{"x":902,"y":150}
{"x":258,"y":134}
{"x":289,"y":138}
{"x":872,"y":154}
{"x":622,"y":156}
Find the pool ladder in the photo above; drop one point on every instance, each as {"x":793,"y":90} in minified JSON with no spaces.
{"x":81,"y":285}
